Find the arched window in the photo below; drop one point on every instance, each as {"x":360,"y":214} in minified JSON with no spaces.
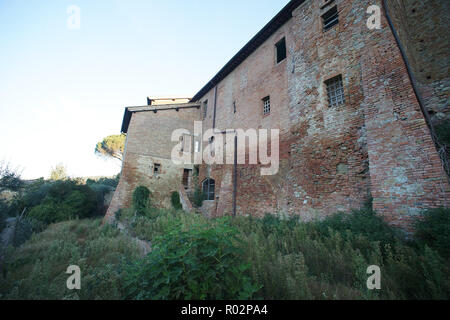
{"x":209,"y":188}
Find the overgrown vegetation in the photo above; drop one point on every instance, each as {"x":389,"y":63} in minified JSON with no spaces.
{"x":175,"y":200}
{"x":198,"y":261}
{"x":194,"y":257}
{"x":37,"y":270}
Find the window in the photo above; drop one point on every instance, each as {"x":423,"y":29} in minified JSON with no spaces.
{"x":330,"y":18}
{"x":187,"y":176}
{"x":335,"y":91}
{"x":234,"y":107}
{"x":186,"y":143}
{"x":281,"y":50}
{"x":157,"y":169}
{"x":209,"y":188}
{"x":205,"y":109}
{"x":266,"y":106}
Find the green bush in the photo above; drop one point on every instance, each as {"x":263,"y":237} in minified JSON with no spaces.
{"x":60,"y":201}
{"x":175,"y":200}
{"x":360,"y":222}
{"x":198,"y":197}
{"x":194,"y":262}
{"x":433,"y":229}
{"x":141,"y":200}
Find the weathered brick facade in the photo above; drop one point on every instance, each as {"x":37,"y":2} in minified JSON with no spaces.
{"x":332,"y":158}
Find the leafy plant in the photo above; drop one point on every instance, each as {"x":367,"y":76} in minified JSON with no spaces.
{"x":433,"y":229}
{"x":141,"y":200}
{"x":198,"y":262}
{"x":175,"y":200}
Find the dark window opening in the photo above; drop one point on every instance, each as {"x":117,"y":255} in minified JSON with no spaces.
{"x":281,"y":50}
{"x":335,"y":91}
{"x":330,"y":18}
{"x":157,"y":169}
{"x":187,"y":175}
{"x":209,"y":189}
{"x":205,"y":109}
{"x":266,"y":106}
{"x":234,"y":107}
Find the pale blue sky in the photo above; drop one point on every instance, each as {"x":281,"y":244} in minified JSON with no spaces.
{"x":63,"y":90}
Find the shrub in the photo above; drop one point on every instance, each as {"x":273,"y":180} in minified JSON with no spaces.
{"x":360,"y":222}
{"x":175,"y":200}
{"x":62,"y":200}
{"x":37,"y":270}
{"x":198,"y":198}
{"x":195,"y":262}
{"x":141,"y":200}
{"x":433,"y":229}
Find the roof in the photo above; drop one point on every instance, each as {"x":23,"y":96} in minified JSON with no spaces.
{"x":269,"y":29}
{"x":280,"y":19}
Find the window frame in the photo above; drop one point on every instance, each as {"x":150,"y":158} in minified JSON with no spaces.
{"x":266,"y":108}
{"x":210,"y":190}
{"x":329,"y":19}
{"x":335,"y":91}
{"x":205,"y":109}
{"x":157,"y":169}
{"x":281,"y":44}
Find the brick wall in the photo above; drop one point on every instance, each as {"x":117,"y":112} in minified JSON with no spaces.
{"x":149,"y":142}
{"x":332,"y":158}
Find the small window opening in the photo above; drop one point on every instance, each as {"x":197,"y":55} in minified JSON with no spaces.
{"x":330,"y":18}
{"x":157,"y":169}
{"x":266,"y":106}
{"x":335,"y":91}
{"x":205,"y":109}
{"x":281,"y":50}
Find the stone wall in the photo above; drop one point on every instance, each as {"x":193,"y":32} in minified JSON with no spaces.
{"x":149,"y":143}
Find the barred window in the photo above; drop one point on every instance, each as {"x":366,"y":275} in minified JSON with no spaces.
{"x":330,"y":18}
{"x":335,"y":91}
{"x":266,"y":106}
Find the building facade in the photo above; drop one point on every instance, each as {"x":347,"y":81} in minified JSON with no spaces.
{"x":355,"y":117}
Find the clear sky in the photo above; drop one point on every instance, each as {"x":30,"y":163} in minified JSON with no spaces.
{"x":62,"y":90}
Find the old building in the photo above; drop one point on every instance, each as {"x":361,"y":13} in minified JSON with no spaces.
{"x":355,"y":105}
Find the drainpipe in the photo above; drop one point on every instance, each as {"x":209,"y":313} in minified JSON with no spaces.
{"x":215,"y":104}
{"x":439,"y":148}
{"x":235,"y":176}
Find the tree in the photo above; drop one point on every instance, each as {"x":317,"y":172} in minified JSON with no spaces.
{"x":59,"y":172}
{"x":112,"y":147}
{"x":9,"y":178}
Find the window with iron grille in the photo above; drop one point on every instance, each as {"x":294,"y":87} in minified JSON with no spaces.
{"x":205,"y":109}
{"x":281,"y":50}
{"x":266,"y":106}
{"x":330,"y":18}
{"x":335,"y":91}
